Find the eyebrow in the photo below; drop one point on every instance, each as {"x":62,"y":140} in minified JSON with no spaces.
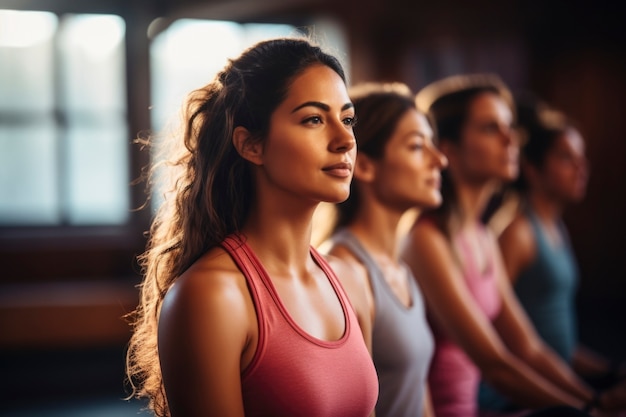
{"x":322,"y":106}
{"x":419,"y":134}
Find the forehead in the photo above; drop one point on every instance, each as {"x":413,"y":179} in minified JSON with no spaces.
{"x":411,"y":124}
{"x":489,"y":106}
{"x":317,"y":83}
{"x":570,"y":140}
{"x":412,"y":121}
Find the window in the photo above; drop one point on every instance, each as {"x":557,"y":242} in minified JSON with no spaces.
{"x":64,"y":139}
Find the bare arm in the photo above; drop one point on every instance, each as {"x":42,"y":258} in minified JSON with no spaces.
{"x":430,"y":257}
{"x":588,"y":362}
{"x":518,"y":251}
{"x":428,"y":405}
{"x":521,"y":338}
{"x":517,"y":245}
{"x":204,"y":328}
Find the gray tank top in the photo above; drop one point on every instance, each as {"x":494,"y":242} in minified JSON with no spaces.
{"x":402,"y":343}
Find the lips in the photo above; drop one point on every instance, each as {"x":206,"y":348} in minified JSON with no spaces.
{"x":342,"y":169}
{"x":434,"y":182}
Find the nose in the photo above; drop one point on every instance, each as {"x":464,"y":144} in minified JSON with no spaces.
{"x":343,"y":139}
{"x":440,"y":160}
{"x":510,"y":136}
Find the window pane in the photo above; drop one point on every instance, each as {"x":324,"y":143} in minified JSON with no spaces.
{"x":29,"y":187}
{"x":26,"y":62}
{"x":97,"y":174}
{"x":91,"y":52}
{"x":182,"y":59}
{"x":29,"y":190}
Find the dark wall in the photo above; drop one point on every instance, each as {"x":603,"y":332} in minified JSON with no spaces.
{"x":572,"y":54}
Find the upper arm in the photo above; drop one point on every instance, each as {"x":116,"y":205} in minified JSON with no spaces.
{"x":204,"y":327}
{"x":517,"y":245}
{"x":447,"y":296}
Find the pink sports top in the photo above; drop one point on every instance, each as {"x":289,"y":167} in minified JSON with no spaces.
{"x":293,"y":373}
{"x":453,"y":378}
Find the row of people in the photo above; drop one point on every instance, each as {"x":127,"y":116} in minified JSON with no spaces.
{"x":240,"y":315}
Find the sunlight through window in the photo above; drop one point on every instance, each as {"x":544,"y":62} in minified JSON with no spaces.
{"x":63,"y":124}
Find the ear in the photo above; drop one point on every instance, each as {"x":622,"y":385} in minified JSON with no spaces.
{"x":249,"y":149}
{"x":364,"y":168}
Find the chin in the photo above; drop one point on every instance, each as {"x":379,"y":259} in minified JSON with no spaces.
{"x":337,"y":198}
{"x":510,"y":175}
{"x":431,"y":202}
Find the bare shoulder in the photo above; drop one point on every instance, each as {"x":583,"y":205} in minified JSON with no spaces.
{"x":350,"y":272}
{"x":519,"y":231}
{"x":213,"y":288}
{"x":213,"y":273}
{"x":517,"y":244}
{"x":424,"y":239}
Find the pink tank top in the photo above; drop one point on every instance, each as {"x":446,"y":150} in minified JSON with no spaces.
{"x":293,"y":373}
{"x":453,"y":378}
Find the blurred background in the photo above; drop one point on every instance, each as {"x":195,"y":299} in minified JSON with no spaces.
{"x":80,"y":80}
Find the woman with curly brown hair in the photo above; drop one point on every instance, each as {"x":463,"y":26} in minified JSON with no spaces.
{"x":239,"y":315}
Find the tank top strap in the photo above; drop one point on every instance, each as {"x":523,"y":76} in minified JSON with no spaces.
{"x":346,"y":305}
{"x":380,"y":287}
{"x":244,"y":258}
{"x":346,"y":238}
{"x":249,"y":265}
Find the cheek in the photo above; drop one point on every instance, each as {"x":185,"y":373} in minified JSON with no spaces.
{"x":559,"y":179}
{"x":403,"y":168}
{"x":478,"y":157}
{"x":288,"y":147}
{"x":403,"y":178}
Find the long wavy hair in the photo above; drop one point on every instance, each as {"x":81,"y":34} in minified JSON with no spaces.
{"x":378,"y":107}
{"x":210,"y":187}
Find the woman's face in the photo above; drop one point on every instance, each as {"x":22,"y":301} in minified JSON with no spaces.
{"x":488,"y":148}
{"x":310,"y":149}
{"x":409,"y":173}
{"x":565,"y":170}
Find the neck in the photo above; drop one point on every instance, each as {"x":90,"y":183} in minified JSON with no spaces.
{"x":546,"y":208}
{"x":471,"y":201}
{"x":280,"y":236}
{"x":376,"y":227}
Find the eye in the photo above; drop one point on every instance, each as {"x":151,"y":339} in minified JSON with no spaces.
{"x":416,"y":141}
{"x":350,"y":121}
{"x":490,"y":128}
{"x":314,"y":120}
